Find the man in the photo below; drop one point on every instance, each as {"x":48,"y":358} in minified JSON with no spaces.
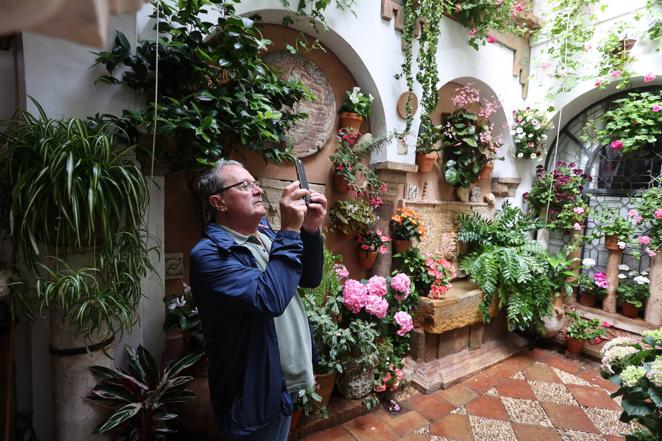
{"x":244,"y":279}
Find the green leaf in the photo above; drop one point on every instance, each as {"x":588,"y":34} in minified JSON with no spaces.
{"x":122,"y":415}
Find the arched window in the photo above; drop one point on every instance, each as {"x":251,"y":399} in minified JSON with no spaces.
{"x":617,"y":178}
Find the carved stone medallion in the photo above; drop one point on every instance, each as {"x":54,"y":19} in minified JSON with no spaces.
{"x":311,"y":134}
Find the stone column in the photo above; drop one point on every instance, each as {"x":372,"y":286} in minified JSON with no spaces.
{"x":609,"y":303}
{"x":654,"y":304}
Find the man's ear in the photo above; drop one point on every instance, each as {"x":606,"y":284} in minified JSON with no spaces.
{"x":217,"y":202}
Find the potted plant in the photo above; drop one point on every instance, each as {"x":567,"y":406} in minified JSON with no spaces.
{"x":582,"y":329}
{"x":142,"y":397}
{"x":76,"y":213}
{"x":530,"y":133}
{"x":406,"y":226}
{"x":430,"y":274}
{"x":634,"y":122}
{"x":592,"y":288}
{"x":636,"y":368}
{"x":210,"y":98}
{"x":355,"y":109}
{"x":468,"y":137}
{"x":426,"y":157}
{"x":351,"y":215}
{"x":615,"y":58}
{"x":616,"y":228}
{"x":650,"y":210}
{"x":374,"y":311}
{"x":560,"y":191}
{"x":345,"y":160}
{"x":633,"y":289}
{"x":369,"y":243}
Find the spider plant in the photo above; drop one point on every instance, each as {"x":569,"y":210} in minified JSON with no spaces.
{"x":73,"y":189}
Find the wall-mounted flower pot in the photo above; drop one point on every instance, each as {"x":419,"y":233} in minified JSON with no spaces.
{"x":611,"y":242}
{"x":486,"y":171}
{"x":425,"y":161}
{"x":366,"y":259}
{"x":575,"y":345}
{"x":400,"y":245}
{"x":629,"y":310}
{"x":349,"y":119}
{"x":340,"y":184}
{"x":587,"y":299}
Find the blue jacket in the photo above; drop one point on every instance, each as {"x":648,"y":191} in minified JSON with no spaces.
{"x":237,"y":304}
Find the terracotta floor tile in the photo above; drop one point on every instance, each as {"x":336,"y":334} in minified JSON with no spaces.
{"x":338,"y":433}
{"x":370,"y":428}
{"x":568,"y":417}
{"x":456,"y":427}
{"x":594,"y":377}
{"x":481,"y":383}
{"x":541,"y":372}
{"x":431,"y":407}
{"x":526,"y":432}
{"x":564,"y":363}
{"x":516,"y":389}
{"x":405,"y":422}
{"x":458,"y":394}
{"x":487,"y":407}
{"x":592,"y":397}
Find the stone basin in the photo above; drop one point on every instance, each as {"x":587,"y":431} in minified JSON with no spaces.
{"x":458,"y":308}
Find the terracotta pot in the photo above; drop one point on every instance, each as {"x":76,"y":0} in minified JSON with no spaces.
{"x":629,"y":310}
{"x":401,"y":245}
{"x":611,"y":242}
{"x":575,"y":346}
{"x":349,"y":119}
{"x":587,"y":299}
{"x":340,"y":185}
{"x":425,"y":161}
{"x":366,"y":259}
{"x":325,"y":383}
{"x":486,"y":171}
{"x":294,"y":422}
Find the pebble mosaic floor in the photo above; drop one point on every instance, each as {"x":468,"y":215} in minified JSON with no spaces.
{"x":537,"y":395}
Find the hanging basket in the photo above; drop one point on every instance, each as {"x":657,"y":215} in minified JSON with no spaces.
{"x":366,"y":259}
{"x":355,"y":382}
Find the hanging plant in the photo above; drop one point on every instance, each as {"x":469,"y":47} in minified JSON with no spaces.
{"x":410,"y":17}
{"x":428,"y":75}
{"x":615,"y":59}
{"x":530,"y":133}
{"x":633,"y":123}
{"x":215,"y":92}
{"x":569,"y":30}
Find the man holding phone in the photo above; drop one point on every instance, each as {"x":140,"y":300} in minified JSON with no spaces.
{"x":244,"y":279}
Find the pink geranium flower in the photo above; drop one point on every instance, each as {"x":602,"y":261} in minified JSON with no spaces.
{"x":473,"y":32}
{"x":658,"y":213}
{"x":405,"y":322}
{"x":577,"y":227}
{"x":650,"y":252}
{"x":644,"y":240}
{"x":615,"y":73}
{"x":340,"y":270}
{"x":656,"y":108}
{"x":598,"y":83}
{"x":633,"y":213}
{"x":617,"y":144}
{"x":649,"y":77}
{"x":491,"y":39}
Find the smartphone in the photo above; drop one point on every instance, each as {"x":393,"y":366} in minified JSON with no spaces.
{"x":301,"y":176}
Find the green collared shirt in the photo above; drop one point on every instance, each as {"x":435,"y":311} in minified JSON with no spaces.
{"x":294,"y":341}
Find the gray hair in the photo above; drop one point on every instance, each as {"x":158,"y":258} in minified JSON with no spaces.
{"x":213,"y":181}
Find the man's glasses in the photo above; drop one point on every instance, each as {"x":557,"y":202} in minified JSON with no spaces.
{"x":242,"y":186}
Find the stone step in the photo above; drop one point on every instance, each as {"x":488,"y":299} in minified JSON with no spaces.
{"x":449,"y":370}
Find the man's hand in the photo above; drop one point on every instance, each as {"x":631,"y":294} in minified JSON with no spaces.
{"x":316,"y":212}
{"x":292,"y":207}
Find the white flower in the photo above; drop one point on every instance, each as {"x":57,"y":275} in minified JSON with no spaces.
{"x":519,"y":130}
{"x":530,"y":135}
{"x":520,"y":155}
{"x":588,"y":262}
{"x":370,"y":97}
{"x":641,"y":280}
{"x":623,"y":267}
{"x":622,"y":276}
{"x":621,"y":244}
{"x":177,"y":302}
{"x":644,"y":273}
{"x":533,"y":156}
{"x":633,"y":274}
